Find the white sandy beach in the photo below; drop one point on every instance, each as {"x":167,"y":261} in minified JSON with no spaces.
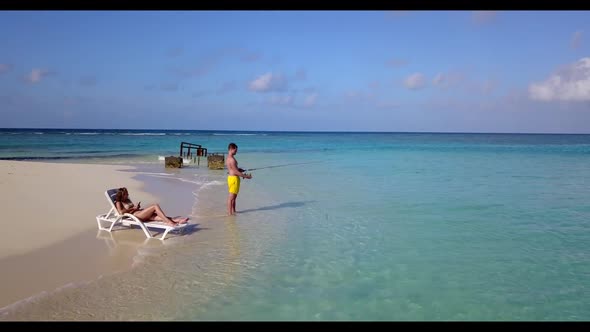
{"x":189,"y":269}
{"x":49,"y":226}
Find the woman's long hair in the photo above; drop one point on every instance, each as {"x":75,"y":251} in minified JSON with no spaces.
{"x":120,"y":194}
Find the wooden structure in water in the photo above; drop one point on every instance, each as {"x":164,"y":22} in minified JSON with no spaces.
{"x":189,"y":153}
{"x":199,"y":150}
{"x":192,"y":153}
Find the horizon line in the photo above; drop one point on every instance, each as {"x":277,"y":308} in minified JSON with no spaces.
{"x":310,"y":131}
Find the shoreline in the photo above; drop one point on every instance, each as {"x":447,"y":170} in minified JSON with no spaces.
{"x":50,"y":211}
{"x":92,"y":269}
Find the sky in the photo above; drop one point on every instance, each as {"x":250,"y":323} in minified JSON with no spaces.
{"x":401,"y":71}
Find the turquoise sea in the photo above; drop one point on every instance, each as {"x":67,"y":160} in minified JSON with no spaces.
{"x":351,"y":226}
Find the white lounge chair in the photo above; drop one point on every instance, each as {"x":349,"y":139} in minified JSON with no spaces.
{"x":127,"y":219}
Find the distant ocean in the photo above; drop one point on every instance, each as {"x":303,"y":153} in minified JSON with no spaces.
{"x":356,"y":226}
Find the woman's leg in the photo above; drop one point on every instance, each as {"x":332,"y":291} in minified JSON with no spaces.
{"x":180,"y":220}
{"x":147,"y":213}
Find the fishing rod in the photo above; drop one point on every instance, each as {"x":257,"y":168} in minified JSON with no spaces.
{"x":254,"y":169}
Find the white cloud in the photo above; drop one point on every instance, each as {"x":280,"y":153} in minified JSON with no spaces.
{"x":268,"y":82}
{"x":483,"y":17}
{"x":577,"y":39}
{"x":571,"y":83}
{"x":36,"y":75}
{"x":4,"y":67}
{"x":415,"y":81}
{"x":310,"y":100}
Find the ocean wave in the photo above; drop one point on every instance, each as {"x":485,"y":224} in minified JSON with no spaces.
{"x":143,"y":134}
{"x":156,"y":176}
{"x":125,"y":162}
{"x":199,"y":181}
{"x":228,"y":134}
{"x":88,"y":133}
{"x":84,"y":152}
{"x":150,"y":173}
{"x":81,"y":157}
{"x":190,"y":181}
{"x":212,"y":183}
{"x":5,"y":311}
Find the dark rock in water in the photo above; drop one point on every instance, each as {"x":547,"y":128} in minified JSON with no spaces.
{"x":216,"y":161}
{"x":173,"y":162}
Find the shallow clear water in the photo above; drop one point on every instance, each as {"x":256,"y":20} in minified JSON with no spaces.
{"x":376,"y":226}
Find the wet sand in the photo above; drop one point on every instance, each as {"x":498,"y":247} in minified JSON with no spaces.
{"x":49,"y":225}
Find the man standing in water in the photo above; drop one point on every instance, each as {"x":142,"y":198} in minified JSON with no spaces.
{"x":233,"y":179}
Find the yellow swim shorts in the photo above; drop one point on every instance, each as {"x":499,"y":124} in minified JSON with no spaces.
{"x":233,"y":184}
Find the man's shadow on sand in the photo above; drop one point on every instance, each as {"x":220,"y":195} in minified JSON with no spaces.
{"x":278,"y":206}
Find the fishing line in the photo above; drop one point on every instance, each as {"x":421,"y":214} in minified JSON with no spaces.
{"x":273,"y":166}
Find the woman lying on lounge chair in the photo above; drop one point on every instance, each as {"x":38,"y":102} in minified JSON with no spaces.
{"x":151,"y":213}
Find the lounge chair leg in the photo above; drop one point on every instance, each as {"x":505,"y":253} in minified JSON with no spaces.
{"x":164,"y":235}
{"x":145,"y":230}
{"x":98,"y":222}
{"x":114,"y":223}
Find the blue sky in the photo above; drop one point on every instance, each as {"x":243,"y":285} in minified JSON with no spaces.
{"x":442,"y":71}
